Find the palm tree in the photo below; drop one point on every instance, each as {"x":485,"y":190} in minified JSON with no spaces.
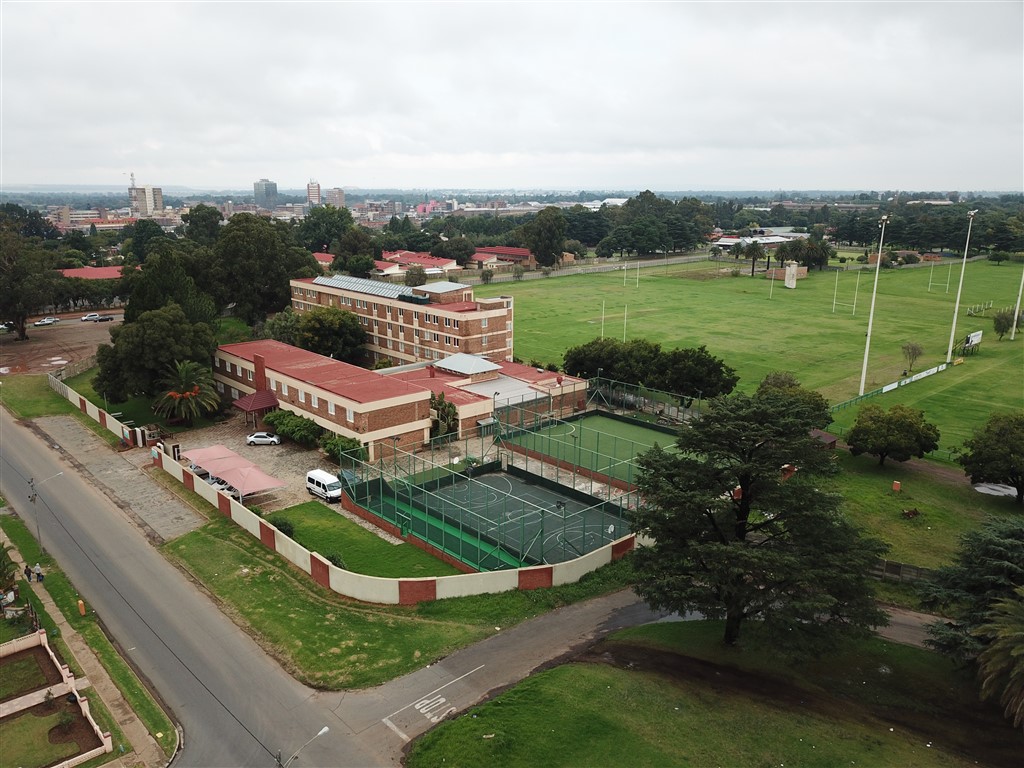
{"x":1001,"y":664}
{"x":189,"y":392}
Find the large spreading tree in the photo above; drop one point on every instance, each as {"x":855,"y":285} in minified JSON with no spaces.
{"x":988,"y":567}
{"x":545,"y":236}
{"x":739,"y":535}
{"x":995,"y":453}
{"x":331,"y":332}
{"x":141,"y":352}
{"x":898,"y":434}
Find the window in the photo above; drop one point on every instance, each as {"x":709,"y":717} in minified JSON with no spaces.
{"x":456,"y":323}
{"x":330,"y":407}
{"x":415,"y":315}
{"x":273,"y":384}
{"x":483,"y":341}
{"x":447,"y":322}
{"x":220,"y":387}
{"x":234,"y":393}
{"x":284,"y":390}
{"x":302,"y":396}
{"x":448,"y":341}
{"x":249,"y":374}
{"x":349,"y":415}
{"x":483,"y":323}
{"x":314,"y":401}
{"x":457,"y":341}
{"x":388,"y":308}
{"x":434,"y":336}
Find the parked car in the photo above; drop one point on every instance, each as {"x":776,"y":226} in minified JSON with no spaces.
{"x":46,"y":321}
{"x":201,"y":473}
{"x":220,"y":485}
{"x":104,"y":319}
{"x":263,"y":438}
{"x":91,"y":316}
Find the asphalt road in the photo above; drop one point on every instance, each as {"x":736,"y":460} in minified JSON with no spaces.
{"x":237,"y":707}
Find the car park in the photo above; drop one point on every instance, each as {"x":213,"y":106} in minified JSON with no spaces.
{"x":263,"y":438}
{"x":46,"y":321}
{"x":91,"y":316}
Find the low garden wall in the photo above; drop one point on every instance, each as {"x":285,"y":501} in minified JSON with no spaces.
{"x":35,"y":640}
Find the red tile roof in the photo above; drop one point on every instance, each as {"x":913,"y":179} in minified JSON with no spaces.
{"x":93,"y":273}
{"x":349,"y":381}
{"x":506,"y":251}
{"x":439,"y":382}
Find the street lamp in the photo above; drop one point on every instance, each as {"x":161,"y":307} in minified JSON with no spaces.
{"x":963,"y":268}
{"x":288,"y":762}
{"x":32,"y":484}
{"x":871,"y":314}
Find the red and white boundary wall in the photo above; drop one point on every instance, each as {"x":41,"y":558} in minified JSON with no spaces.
{"x":369,"y":589}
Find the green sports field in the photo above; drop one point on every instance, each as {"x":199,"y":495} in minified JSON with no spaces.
{"x":757,"y":328}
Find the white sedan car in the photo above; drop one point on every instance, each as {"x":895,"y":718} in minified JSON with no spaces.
{"x":263,"y":438}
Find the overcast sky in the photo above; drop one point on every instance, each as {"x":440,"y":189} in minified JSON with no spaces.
{"x":547,"y":95}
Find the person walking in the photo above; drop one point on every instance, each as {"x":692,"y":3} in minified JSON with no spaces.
{"x":28,"y":573}
{"x":39,"y":572}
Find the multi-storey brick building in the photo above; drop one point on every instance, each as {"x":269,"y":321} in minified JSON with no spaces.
{"x":385,"y":409}
{"x":407,"y":325}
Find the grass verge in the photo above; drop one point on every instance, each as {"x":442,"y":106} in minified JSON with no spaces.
{"x":66,"y":598}
{"x":671,"y":694}
{"x":330,"y":642}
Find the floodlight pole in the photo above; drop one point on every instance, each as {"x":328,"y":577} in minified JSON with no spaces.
{"x":1016,"y":310}
{"x":963,"y":268}
{"x":871,"y":314}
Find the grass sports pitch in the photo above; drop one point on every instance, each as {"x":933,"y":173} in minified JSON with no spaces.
{"x":757,"y":328}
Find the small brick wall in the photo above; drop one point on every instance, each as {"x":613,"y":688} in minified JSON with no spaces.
{"x":621,"y":548}
{"x":412,"y":592}
{"x":536,"y":578}
{"x":267,"y":536}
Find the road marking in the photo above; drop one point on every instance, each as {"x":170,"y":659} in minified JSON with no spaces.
{"x":394,"y":728}
{"x":431,"y":706}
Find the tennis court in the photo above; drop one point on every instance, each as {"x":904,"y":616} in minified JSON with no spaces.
{"x":494,"y":519}
{"x":598,"y":443}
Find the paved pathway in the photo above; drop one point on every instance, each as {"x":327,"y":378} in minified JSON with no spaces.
{"x":160,"y":514}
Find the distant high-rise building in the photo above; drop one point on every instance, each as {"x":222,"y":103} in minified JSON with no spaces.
{"x":145,"y":201}
{"x":336,"y":197}
{"x":265,"y":192}
{"x":313,"y":193}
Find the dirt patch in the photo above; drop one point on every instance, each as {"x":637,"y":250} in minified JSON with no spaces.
{"x":971,"y":731}
{"x":52,"y":347}
{"x":78,"y":732}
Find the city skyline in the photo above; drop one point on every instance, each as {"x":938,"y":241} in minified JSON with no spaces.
{"x":563,"y":96}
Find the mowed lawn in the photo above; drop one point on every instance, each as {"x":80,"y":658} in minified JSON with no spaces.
{"x":321,"y":529}
{"x":796,"y":330}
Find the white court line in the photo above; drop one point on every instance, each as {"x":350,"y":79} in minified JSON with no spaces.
{"x":435,"y":691}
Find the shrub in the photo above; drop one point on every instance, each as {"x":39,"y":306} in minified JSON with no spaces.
{"x":486,"y":276}
{"x":842,"y":259}
{"x":336,"y":560}
{"x":65,"y":719}
{"x":291,"y":425}
{"x":283,"y":525}
{"x":335,"y":445}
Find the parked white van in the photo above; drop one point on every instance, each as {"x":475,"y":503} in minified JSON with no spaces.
{"x":323,"y":484}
